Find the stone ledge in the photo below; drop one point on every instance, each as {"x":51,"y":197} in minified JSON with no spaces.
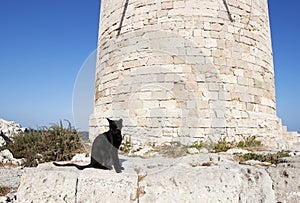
{"x":195,"y":178}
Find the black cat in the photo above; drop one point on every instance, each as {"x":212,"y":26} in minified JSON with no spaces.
{"x":104,"y":149}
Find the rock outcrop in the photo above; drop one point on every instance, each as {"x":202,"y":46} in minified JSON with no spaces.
{"x":193,"y":178}
{"x":8,"y":129}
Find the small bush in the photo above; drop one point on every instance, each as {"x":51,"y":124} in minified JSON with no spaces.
{"x":126,"y":145}
{"x":271,"y":158}
{"x":249,"y":143}
{"x":222,"y":145}
{"x":55,"y":143}
{"x":200,"y":144}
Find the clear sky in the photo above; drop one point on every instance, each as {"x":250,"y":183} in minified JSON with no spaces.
{"x":47,"y":56}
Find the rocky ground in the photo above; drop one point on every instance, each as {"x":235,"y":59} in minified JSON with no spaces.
{"x":151,"y":176}
{"x":205,"y":177}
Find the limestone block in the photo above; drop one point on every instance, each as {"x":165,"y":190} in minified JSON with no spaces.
{"x":169,"y":104}
{"x":210,"y":43}
{"x":98,"y":185}
{"x":218,"y":123}
{"x":174,"y":113}
{"x":183,"y":185}
{"x":48,"y":185}
{"x":167,"y":5}
{"x":178,"y":4}
{"x":229,"y":79}
{"x":204,"y":123}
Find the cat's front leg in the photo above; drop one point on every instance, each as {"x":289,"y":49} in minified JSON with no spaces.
{"x":116,"y":161}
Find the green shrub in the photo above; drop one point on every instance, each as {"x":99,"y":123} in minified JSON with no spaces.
{"x":222,"y":145}
{"x":55,"y":143}
{"x":271,"y":158}
{"x":200,"y":144}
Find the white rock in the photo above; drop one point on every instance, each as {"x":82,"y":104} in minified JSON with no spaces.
{"x":5,"y":161}
{"x":79,"y":157}
{"x":237,"y":151}
{"x":3,"y":199}
{"x":9,"y":128}
{"x":203,"y":150}
{"x":7,"y":155}
{"x":292,"y":154}
{"x":193,"y":150}
{"x":143,"y":151}
{"x":256,"y":163}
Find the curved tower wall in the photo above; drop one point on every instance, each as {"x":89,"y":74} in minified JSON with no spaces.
{"x":184,"y":70}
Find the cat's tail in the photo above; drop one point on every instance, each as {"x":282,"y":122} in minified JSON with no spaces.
{"x":81,"y":167}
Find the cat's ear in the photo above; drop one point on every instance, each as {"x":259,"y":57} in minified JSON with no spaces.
{"x":120,"y":123}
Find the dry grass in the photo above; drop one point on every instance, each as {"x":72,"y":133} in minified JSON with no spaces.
{"x":173,"y":150}
{"x":5,"y":190}
{"x":9,"y":164}
{"x":139,"y":190}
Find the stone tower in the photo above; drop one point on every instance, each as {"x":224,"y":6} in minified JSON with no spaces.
{"x":184,"y":70}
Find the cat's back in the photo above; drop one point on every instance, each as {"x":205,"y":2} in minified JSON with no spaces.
{"x":100,"y":143}
{"x":100,"y":140}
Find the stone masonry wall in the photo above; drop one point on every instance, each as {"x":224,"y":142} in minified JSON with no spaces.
{"x":184,"y":70}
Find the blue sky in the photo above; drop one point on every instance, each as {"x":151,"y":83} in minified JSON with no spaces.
{"x":44,"y":44}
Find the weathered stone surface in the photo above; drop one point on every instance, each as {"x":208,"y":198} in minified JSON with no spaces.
{"x":46,"y":184}
{"x":10,"y":176}
{"x":193,"y":178}
{"x":105,"y":186}
{"x":286,"y":181}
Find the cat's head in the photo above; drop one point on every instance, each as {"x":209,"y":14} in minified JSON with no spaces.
{"x":115,"y":124}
